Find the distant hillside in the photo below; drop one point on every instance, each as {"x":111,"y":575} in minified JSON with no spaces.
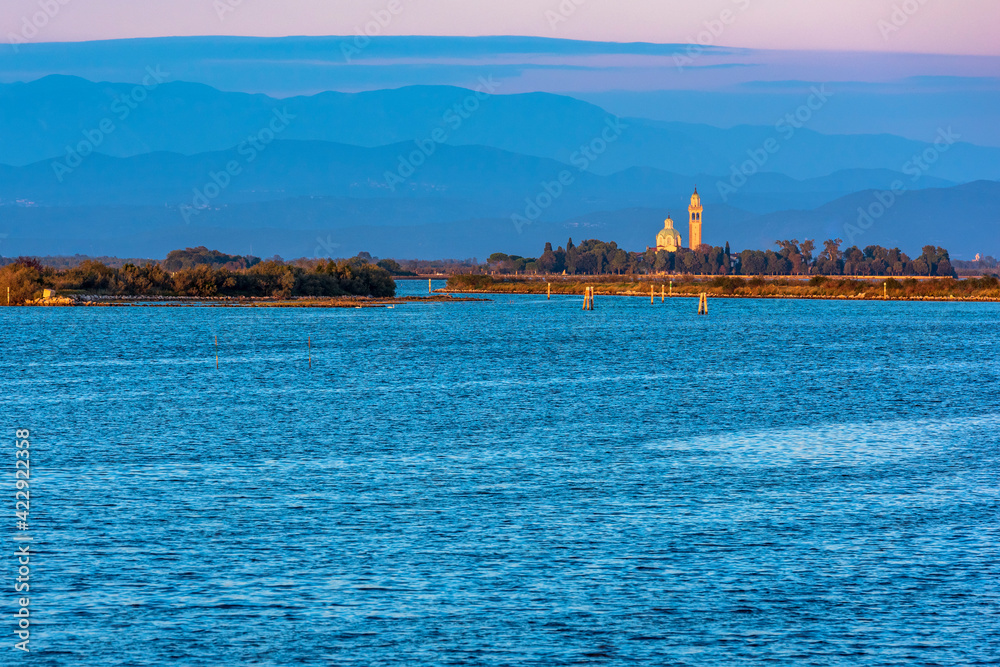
{"x":468,"y":181}
{"x":158,"y":179}
{"x":38,"y":120}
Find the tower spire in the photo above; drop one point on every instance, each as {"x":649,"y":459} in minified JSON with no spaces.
{"x":694,"y":221}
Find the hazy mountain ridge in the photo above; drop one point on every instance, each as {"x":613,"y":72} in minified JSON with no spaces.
{"x":494,"y":178}
{"x":39,"y":120}
{"x":361,"y":167}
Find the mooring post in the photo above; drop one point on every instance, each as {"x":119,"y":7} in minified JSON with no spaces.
{"x":652,"y":295}
{"x":703,"y":304}
{"x":671,"y":288}
{"x":429,"y":290}
{"x":550,"y":292}
{"x":663,"y":295}
{"x":885,"y":290}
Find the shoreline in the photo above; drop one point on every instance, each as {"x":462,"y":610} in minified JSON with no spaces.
{"x":833,"y":290}
{"x":100,"y":301}
{"x":804,"y":297}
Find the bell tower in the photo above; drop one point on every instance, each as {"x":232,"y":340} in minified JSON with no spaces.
{"x":694,"y":223}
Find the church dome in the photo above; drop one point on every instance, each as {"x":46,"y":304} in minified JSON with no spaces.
{"x":668,"y":239}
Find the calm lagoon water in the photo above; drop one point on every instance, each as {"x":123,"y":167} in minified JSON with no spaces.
{"x":509,"y":483}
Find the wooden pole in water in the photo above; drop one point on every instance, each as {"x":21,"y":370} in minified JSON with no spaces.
{"x":663,"y":295}
{"x":671,"y":288}
{"x":885,"y":290}
{"x":703,"y":304}
{"x":550,"y":292}
{"x":652,"y":295}
{"x":429,"y":290}
{"x":591,"y":298}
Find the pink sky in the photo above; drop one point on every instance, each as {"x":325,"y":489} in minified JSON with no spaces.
{"x":931,"y":26}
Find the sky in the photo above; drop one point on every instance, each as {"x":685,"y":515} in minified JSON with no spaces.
{"x":964,"y":27}
{"x":904,"y":67}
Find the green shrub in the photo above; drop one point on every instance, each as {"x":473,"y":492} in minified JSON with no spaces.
{"x":473,"y":281}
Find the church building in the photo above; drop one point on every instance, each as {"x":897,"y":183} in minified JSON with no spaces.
{"x":669,"y":239}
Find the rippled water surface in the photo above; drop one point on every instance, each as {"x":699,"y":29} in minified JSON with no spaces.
{"x":515,"y":482}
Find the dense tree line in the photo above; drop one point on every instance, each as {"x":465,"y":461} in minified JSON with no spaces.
{"x":791,"y":258}
{"x":178,"y":260}
{"x":190,"y":257}
{"x":70,"y":261}
{"x":27,"y":277}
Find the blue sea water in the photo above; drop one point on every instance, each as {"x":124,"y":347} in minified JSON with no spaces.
{"x":512,"y":482}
